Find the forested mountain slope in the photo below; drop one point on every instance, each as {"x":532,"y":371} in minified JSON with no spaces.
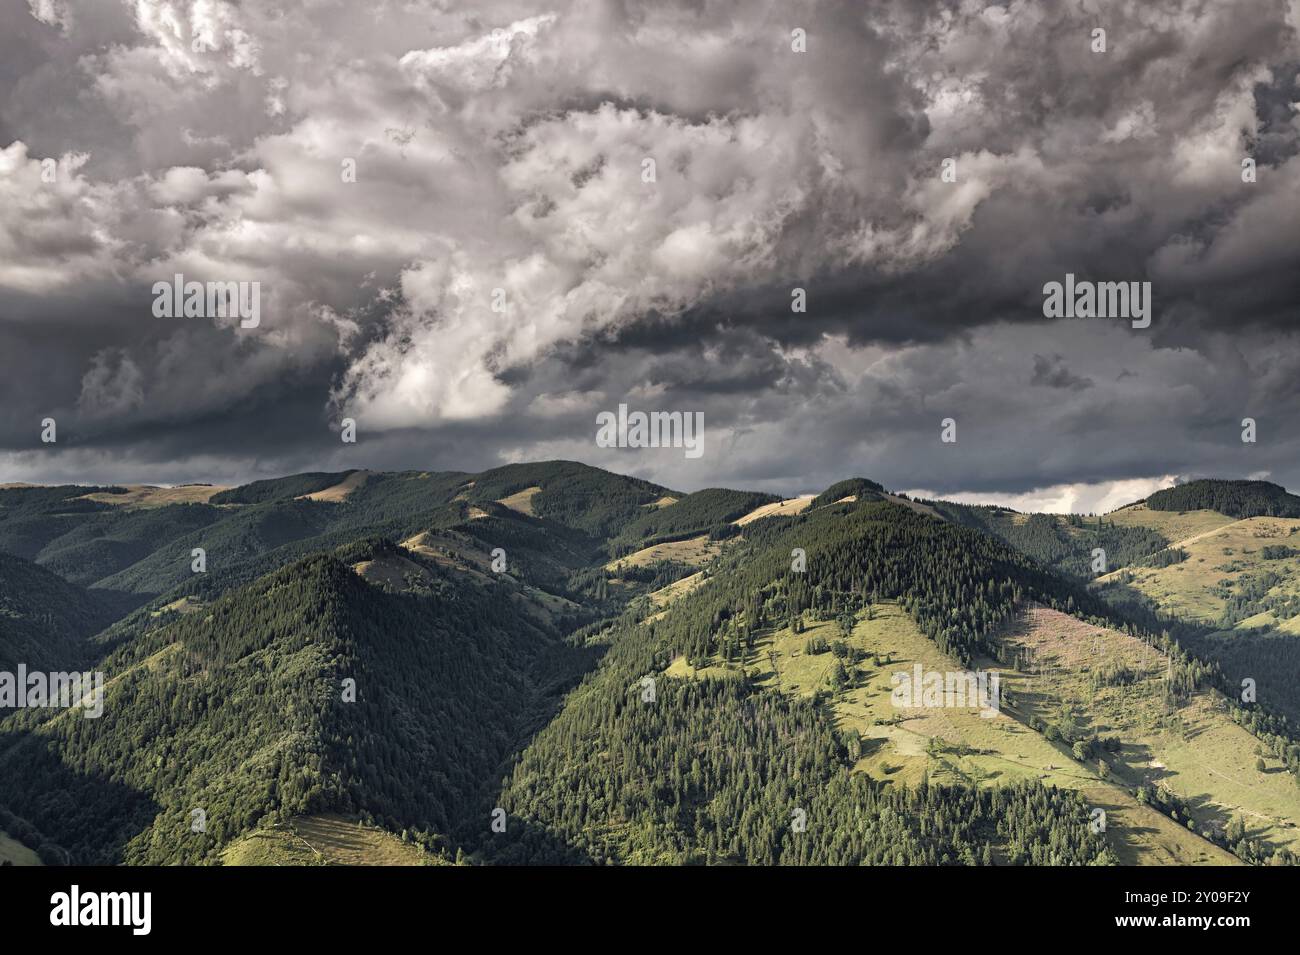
{"x":45,"y":621}
{"x":1233,"y":498}
{"x":242,"y":711}
{"x":717,"y":770}
{"x":1064,"y":543}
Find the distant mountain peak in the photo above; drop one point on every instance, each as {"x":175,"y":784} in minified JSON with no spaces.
{"x":856,"y":487}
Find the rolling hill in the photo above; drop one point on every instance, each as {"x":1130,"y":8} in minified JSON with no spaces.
{"x":1232,"y":498}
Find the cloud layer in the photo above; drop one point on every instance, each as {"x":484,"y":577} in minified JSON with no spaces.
{"x":476,"y":226}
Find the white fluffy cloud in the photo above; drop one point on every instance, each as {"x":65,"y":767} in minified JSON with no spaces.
{"x":55,"y":13}
{"x":1101,"y":498}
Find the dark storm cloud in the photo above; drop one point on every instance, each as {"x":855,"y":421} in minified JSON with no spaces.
{"x":500,"y":148}
{"x":1052,"y":373}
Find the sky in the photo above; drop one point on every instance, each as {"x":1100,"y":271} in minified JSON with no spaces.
{"x":458,"y":245}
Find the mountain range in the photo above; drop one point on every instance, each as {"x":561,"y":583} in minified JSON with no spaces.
{"x":552,"y":663}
